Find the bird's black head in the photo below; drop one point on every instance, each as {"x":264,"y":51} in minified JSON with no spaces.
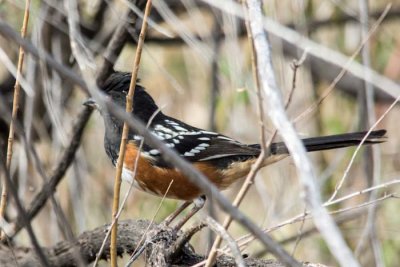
{"x":117,"y":87}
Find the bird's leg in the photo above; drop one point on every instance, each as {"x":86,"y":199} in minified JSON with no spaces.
{"x":178,"y":211}
{"x":198,"y":205}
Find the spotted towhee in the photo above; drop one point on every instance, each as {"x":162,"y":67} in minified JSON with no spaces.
{"x":220,"y":158}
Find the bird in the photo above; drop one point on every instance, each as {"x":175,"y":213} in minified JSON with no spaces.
{"x":222,"y":159}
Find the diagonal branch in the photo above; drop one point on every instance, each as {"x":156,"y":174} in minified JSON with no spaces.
{"x":15,"y":107}
{"x":124,"y":137}
{"x":276,"y":112}
{"x":65,"y":161}
{"x":36,"y":247}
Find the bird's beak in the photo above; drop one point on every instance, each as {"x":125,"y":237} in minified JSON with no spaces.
{"x":91,"y":103}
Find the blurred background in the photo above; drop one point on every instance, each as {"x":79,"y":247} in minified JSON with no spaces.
{"x":196,"y":63}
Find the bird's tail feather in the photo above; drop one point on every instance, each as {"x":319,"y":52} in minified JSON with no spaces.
{"x":333,"y":141}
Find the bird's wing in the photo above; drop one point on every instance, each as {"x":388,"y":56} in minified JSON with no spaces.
{"x":195,"y":144}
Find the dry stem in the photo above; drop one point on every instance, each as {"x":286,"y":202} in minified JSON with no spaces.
{"x":344,"y":70}
{"x":258,"y":164}
{"x":124,"y":138}
{"x":264,"y":145}
{"x":17,"y":89}
{"x":276,"y":111}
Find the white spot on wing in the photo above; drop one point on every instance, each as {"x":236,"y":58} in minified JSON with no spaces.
{"x":154,"y":152}
{"x":160,"y":127}
{"x":207,"y":132}
{"x":202,"y":146}
{"x":204,"y":138}
{"x":137,"y":137}
{"x":188,"y":154}
{"x":171,"y":122}
{"x":217,"y":156}
{"x":179,"y":128}
{"x":225,"y":138}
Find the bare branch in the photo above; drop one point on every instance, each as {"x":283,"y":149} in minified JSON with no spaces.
{"x":371,"y":155}
{"x":64,"y":71}
{"x":65,"y":161}
{"x":276,"y":111}
{"x":124,"y":137}
{"x":36,"y":247}
{"x":223,"y":234}
{"x":15,"y":107}
{"x":130,"y":233}
{"x":117,"y":42}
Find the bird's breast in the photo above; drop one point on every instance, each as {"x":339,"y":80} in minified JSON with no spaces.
{"x":160,"y":181}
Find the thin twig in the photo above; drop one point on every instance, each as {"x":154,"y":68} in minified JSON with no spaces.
{"x":131,"y":260}
{"x":221,"y":231}
{"x":367,"y":190}
{"x":299,"y":235}
{"x":372,"y":164}
{"x":127,"y":195}
{"x":36,"y":246}
{"x":214,"y":70}
{"x":65,"y":161}
{"x":62,"y":221}
{"x":217,"y":40}
{"x":340,"y":219}
{"x":114,"y":48}
{"x":258,"y":164}
{"x":319,"y":56}
{"x":246,"y":239}
{"x":346,"y":172}
{"x":64,"y":71}
{"x":124,"y":138}
{"x":116,"y":44}
{"x":345,"y":69}
{"x":323,"y":221}
{"x":176,"y":248}
{"x":17,"y":89}
{"x":295,"y":67}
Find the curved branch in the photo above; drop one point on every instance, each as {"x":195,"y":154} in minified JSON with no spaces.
{"x":129,"y":235}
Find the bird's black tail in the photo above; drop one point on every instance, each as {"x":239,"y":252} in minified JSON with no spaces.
{"x":333,"y":141}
